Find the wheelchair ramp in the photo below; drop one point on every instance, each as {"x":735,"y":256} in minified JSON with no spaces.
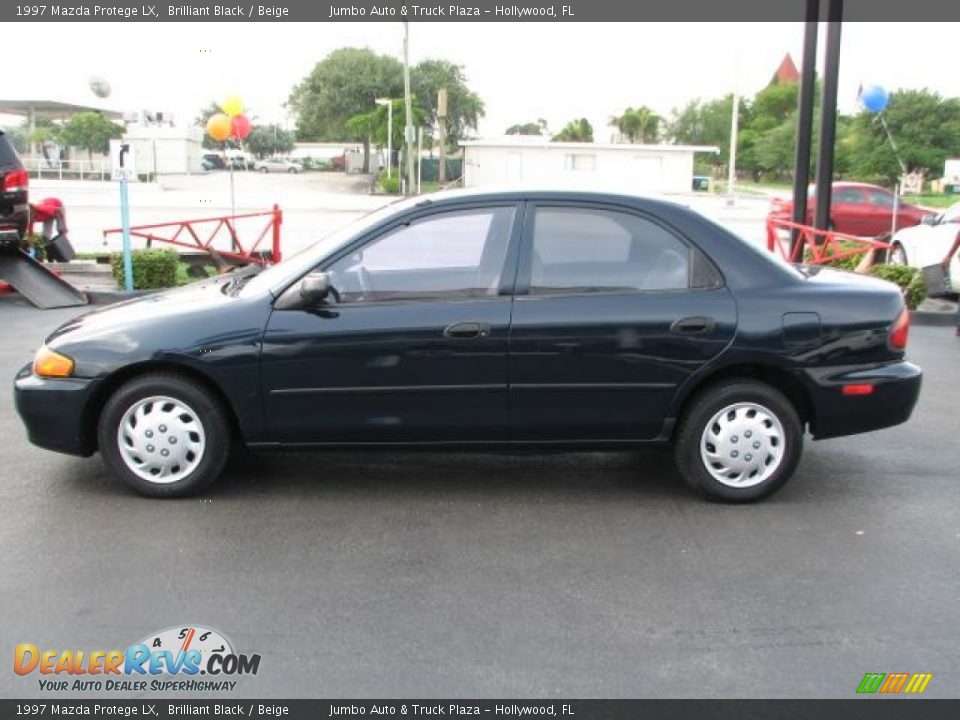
{"x":37,"y":284}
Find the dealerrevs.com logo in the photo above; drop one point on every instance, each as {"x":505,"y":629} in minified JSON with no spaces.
{"x":167,"y":661}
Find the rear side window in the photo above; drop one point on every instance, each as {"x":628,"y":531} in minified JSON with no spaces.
{"x":8,"y":156}
{"x":588,"y":250}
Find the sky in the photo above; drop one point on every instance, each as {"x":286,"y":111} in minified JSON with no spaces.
{"x":522,"y":71}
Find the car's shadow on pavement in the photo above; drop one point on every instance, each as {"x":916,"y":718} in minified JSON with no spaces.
{"x":646,"y":474}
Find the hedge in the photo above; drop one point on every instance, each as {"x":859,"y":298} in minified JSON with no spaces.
{"x":910,"y":280}
{"x":151,"y":268}
{"x":389,"y":184}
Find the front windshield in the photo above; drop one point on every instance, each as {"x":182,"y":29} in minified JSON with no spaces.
{"x":303,"y":260}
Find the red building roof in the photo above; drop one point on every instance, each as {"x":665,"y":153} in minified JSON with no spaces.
{"x":786,"y":73}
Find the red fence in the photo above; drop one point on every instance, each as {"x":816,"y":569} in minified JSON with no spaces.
{"x":815,"y":247}
{"x":197,"y":235}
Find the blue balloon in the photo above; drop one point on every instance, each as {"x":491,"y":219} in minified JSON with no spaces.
{"x":874,"y":98}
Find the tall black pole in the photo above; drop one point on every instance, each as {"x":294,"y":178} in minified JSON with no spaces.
{"x":828,"y":114}
{"x":808,"y":76}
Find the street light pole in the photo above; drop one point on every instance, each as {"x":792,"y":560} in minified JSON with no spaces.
{"x":734,"y":123}
{"x":408,"y":107}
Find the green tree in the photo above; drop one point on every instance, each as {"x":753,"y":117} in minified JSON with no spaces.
{"x":638,"y":125}
{"x":344,"y":84}
{"x":531,"y":128}
{"x":707,"y":122}
{"x":376,"y":124}
{"x":267,"y":140}
{"x":924,"y":125}
{"x":575,"y":131}
{"x":464,"y":107}
{"x":90,"y":131}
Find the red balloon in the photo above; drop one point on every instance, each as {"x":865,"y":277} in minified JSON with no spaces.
{"x":240,"y":126}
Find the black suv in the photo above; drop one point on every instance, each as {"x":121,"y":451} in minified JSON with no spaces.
{"x":14,"y":209}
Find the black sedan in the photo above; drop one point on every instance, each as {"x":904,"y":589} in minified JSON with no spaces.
{"x":545,"y":320}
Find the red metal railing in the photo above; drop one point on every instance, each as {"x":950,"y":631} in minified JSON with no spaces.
{"x":815,"y":246}
{"x":188,"y":234}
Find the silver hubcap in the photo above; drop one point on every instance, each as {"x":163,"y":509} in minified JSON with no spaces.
{"x":161,"y":439}
{"x":742,"y":445}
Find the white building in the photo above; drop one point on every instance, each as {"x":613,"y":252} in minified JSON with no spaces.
{"x":164,"y":149}
{"x":529,"y":159}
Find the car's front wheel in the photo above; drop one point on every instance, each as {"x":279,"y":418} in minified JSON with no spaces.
{"x":164,"y":435}
{"x":739,"y":441}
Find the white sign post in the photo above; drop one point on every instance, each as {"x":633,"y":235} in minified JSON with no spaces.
{"x":124,"y":169}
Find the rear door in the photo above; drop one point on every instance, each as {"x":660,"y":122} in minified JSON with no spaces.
{"x":613,"y":311}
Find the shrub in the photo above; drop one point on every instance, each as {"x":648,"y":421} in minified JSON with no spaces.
{"x":390,"y":185}
{"x":151,"y":268}
{"x":910,"y":280}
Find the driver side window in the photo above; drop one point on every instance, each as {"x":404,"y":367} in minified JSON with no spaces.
{"x":450,"y":255}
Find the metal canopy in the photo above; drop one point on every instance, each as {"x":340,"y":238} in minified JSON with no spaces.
{"x":52,"y":109}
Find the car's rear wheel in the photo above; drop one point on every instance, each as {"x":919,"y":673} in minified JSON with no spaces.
{"x":739,"y":441}
{"x":898,"y":256}
{"x":164,"y":435}
{"x":264,"y":169}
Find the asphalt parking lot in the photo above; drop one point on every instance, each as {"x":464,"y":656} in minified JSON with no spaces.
{"x":587,"y":575}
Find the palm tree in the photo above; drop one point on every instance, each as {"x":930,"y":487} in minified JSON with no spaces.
{"x":638,"y":125}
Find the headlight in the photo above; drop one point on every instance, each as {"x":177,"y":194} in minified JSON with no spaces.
{"x":49,"y":363}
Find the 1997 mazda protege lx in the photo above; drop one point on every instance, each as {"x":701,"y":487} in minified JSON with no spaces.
{"x":553,"y":320}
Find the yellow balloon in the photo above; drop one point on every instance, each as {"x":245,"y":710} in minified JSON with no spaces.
{"x":232,"y":106}
{"x":218,"y":127}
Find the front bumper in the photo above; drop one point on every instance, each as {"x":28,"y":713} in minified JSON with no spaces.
{"x":54,"y":411}
{"x":896,"y":388}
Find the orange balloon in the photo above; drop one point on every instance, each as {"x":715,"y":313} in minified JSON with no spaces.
{"x":218,"y":127}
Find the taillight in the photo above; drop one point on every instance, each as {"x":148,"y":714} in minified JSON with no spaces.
{"x":15,"y":181}
{"x":900,"y":330}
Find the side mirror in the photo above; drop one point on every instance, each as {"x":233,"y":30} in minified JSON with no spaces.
{"x":314,"y":287}
{"x":929,"y":219}
{"x":308,"y":291}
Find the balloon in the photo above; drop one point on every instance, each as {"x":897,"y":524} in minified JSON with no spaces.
{"x":874,"y":98}
{"x":218,"y":127}
{"x":240,"y":126}
{"x":232,"y":106}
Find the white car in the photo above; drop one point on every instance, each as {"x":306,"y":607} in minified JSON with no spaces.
{"x":277,"y":165}
{"x":928,"y":243}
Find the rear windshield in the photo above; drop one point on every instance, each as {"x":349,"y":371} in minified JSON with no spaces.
{"x":8,"y":156}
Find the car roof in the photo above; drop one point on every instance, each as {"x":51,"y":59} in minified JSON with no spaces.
{"x":566,"y":191}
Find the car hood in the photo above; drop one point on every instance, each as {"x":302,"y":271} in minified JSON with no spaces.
{"x":199,"y":297}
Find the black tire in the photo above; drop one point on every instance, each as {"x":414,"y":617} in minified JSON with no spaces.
{"x":703,"y":408}
{"x":264,"y":170}
{"x":209,"y":413}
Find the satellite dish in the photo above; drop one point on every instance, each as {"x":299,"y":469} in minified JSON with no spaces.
{"x":99,"y":86}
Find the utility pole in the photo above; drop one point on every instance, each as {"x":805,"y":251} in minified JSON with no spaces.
{"x":408,"y":135}
{"x":442,"y":134}
{"x":828,"y":115}
{"x":805,"y":122}
{"x":732,"y":165}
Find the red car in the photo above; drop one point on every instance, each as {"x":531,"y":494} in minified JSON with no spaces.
{"x":856,"y":209}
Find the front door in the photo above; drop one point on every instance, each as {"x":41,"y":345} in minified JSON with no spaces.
{"x":613,"y":311}
{"x":411,"y":345}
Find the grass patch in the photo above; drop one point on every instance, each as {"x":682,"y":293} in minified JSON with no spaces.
{"x":937,"y":201}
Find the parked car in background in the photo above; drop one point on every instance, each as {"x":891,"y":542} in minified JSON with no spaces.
{"x":477,"y":319}
{"x":213,"y":161}
{"x":856,"y":209}
{"x":14,"y":183}
{"x":928,"y":243}
{"x":277,"y":165}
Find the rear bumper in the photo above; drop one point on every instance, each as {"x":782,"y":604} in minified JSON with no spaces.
{"x":54,"y":412}
{"x":896,"y":388}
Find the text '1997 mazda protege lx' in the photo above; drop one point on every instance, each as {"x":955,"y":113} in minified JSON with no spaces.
{"x":551,"y":320}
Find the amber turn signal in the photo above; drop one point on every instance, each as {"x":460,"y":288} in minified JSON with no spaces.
{"x":52,"y":364}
